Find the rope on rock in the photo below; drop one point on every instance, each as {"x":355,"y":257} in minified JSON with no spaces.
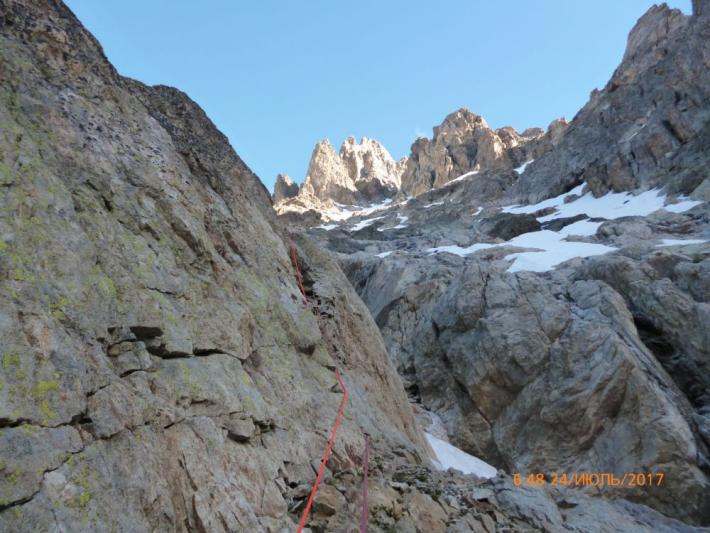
{"x":297,"y":268}
{"x":326,"y":454}
{"x":365,"y":471}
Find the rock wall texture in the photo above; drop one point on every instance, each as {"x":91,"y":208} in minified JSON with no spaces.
{"x":465,"y":143}
{"x":647,"y":126}
{"x":159,"y":371}
{"x":284,"y":188}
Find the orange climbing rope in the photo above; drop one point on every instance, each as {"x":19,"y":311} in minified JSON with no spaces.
{"x":297,"y":268}
{"x":321,"y":470}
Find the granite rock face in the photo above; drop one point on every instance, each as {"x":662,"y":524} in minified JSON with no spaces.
{"x":361,"y":173}
{"x":371,"y":167}
{"x":159,"y":369}
{"x":648,"y":125}
{"x":284,"y":188}
{"x":464,"y":143}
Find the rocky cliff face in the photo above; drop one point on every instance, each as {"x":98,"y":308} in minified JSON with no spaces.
{"x":551,"y":315}
{"x":284,"y":188}
{"x":159,"y":370}
{"x":371,"y":167}
{"x":648,"y":126}
{"x":464,"y":143}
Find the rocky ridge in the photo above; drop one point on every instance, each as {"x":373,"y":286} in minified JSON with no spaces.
{"x":465,"y":143}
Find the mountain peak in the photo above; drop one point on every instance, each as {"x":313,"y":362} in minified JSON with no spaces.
{"x":284,"y":188}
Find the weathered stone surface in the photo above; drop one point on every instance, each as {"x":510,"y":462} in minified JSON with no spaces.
{"x":159,"y":371}
{"x":371,"y":167}
{"x":643,"y":128}
{"x":284,"y":188}
{"x":464,"y":143}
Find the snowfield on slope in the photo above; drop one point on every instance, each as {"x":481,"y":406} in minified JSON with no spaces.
{"x":449,"y":456}
{"x":552,"y":248}
{"x":610,"y":206}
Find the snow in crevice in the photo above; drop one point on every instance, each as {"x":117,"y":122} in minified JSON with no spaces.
{"x":460,"y":178}
{"x":522,"y":167}
{"x":327,"y":227}
{"x":550,"y":248}
{"x":364,"y":223}
{"x":427,"y":206}
{"x":400,"y":225}
{"x":449,"y":456}
{"x":383,"y":254}
{"x":341,"y":212}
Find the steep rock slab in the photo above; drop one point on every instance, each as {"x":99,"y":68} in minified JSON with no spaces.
{"x":159,"y":371}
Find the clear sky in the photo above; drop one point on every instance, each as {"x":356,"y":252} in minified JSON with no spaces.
{"x":278,"y":76}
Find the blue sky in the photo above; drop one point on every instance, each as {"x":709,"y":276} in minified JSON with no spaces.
{"x":278,"y":76}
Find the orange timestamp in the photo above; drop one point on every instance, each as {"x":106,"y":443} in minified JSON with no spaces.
{"x":590,"y":479}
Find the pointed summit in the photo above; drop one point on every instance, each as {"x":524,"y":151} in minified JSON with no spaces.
{"x":284,"y":188}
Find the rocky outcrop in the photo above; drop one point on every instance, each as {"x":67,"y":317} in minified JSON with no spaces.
{"x":558,"y":371}
{"x":546,"y":374}
{"x":328,"y":177}
{"x":464,"y":143}
{"x":643,"y":128}
{"x":362,"y":173}
{"x":370,"y":166}
{"x":284,"y":188}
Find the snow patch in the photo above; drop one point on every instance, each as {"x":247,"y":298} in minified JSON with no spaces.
{"x":400,"y":225}
{"x":462,"y":252}
{"x":427,"y":206}
{"x":383,"y":254}
{"x":461,"y":178}
{"x":550,"y":247}
{"x":327,"y":227}
{"x":522,"y":167}
{"x":339,"y":212}
{"x":557,"y":251}
{"x":449,"y":456}
{"x":364,"y":223}
{"x":678,"y":242}
{"x":610,"y":206}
